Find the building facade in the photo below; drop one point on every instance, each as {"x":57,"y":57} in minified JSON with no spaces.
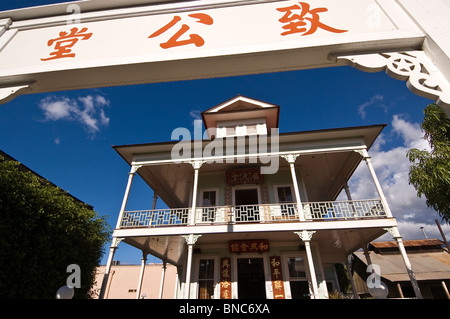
{"x":252,"y":213}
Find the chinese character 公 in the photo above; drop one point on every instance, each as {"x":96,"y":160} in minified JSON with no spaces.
{"x":175,"y":40}
{"x":65,"y":42}
{"x":295,"y":22}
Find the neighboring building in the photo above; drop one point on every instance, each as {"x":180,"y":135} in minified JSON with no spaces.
{"x":253,"y":213}
{"x":157,"y":282}
{"x":430,"y":261}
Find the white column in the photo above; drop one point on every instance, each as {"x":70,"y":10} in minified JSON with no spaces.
{"x":112,"y":251}
{"x":291,"y":160}
{"x":444,"y":286}
{"x":141,"y":275}
{"x":155,"y":198}
{"x":133,"y":170}
{"x":196,"y":165}
{"x":350,"y":276}
{"x":375,"y":180}
{"x":305,"y":236}
{"x":190,"y":241}
{"x":163,"y":277}
{"x":396,"y":234}
{"x":347,"y":191}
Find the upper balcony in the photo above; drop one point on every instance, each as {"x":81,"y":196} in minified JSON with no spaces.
{"x":259,"y":213}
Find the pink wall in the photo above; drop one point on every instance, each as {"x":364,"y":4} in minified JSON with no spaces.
{"x":123,"y":281}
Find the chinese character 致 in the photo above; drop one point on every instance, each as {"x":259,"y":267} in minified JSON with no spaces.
{"x":65,"y":42}
{"x":175,"y":40}
{"x":294,"y":20}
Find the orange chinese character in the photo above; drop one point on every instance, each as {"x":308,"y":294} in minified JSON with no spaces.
{"x":65,"y":42}
{"x":175,"y":41}
{"x":295,"y":23}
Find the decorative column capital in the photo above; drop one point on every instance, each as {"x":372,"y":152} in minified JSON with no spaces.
{"x":394,"y":232}
{"x":191,"y":239}
{"x":305,"y":235}
{"x":363,"y":153}
{"x":290,"y":158}
{"x":134,"y":168}
{"x":116,"y":241}
{"x":197,"y":164}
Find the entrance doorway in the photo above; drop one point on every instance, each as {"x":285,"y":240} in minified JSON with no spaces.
{"x":251,"y":279}
{"x":246,"y":201}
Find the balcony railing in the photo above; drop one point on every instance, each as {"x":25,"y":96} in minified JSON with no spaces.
{"x":258,"y":213}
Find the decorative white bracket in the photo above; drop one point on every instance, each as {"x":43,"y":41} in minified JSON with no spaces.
{"x":191,"y":239}
{"x":134,"y":168}
{"x":290,"y":158}
{"x":305,"y":235}
{"x":422,"y":76}
{"x":9,"y":93}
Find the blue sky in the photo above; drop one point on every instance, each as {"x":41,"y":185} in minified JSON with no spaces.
{"x":67,"y":136}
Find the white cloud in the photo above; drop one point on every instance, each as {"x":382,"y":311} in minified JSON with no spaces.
{"x":87,"y":110}
{"x":195,"y":115}
{"x":375,"y":100}
{"x":392,"y":170}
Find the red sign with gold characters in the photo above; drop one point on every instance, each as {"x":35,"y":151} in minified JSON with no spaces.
{"x":277,"y":277}
{"x":225,"y":278}
{"x":248,"y":246}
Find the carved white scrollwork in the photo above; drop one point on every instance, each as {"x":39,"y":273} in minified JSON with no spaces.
{"x":290,"y":158}
{"x":305,"y":235}
{"x":422,"y":76}
{"x":191,"y":239}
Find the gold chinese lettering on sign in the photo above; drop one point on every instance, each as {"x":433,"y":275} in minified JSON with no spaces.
{"x":248,"y":246}
{"x":277,"y":277}
{"x":225,"y":278}
{"x":244,"y":176}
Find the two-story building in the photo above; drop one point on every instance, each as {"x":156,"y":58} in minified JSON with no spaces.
{"x":252,"y":213}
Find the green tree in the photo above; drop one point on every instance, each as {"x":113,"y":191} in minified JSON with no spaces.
{"x":430,"y":171}
{"x":43,"y":230}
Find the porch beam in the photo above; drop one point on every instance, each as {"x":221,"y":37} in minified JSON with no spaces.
{"x":258,"y":227}
{"x":224,"y":158}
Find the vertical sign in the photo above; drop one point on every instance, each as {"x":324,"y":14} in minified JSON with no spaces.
{"x":225,"y":278}
{"x":277,"y":277}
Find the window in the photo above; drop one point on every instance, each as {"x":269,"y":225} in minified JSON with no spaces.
{"x":296,"y":267}
{"x":206,"y":279}
{"x":298,"y":281}
{"x":241,"y":128}
{"x":209,"y":200}
{"x":286,"y":199}
{"x":284,"y":194}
